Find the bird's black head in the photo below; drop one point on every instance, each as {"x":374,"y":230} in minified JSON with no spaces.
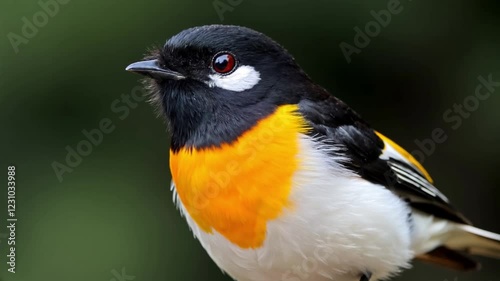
{"x":215,"y":82}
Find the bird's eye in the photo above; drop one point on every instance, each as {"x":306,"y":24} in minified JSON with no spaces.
{"x":224,"y":63}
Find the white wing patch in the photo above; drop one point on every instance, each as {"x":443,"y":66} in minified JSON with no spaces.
{"x":390,"y":152}
{"x":409,"y":175}
{"x":415,"y":179}
{"x":243,"y":78}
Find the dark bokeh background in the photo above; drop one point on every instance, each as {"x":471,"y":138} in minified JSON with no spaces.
{"x":114,"y":210}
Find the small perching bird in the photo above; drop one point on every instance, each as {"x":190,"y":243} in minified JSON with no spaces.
{"x":273,"y":172}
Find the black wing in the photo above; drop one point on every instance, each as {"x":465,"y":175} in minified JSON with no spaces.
{"x":334,"y":123}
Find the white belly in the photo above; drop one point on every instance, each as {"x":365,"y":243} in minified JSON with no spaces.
{"x":340,"y":226}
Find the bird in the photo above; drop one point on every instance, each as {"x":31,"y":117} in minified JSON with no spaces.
{"x":279,"y":179}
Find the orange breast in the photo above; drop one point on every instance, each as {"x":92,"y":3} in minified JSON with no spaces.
{"x":237,"y":188}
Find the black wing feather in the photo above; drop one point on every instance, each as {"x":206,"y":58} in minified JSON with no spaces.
{"x":334,"y":123}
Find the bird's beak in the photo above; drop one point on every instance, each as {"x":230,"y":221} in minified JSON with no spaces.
{"x":152,"y":69}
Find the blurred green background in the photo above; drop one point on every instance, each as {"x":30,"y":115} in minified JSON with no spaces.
{"x":114,"y":212}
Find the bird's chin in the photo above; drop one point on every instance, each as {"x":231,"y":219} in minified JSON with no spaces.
{"x":154,"y":90}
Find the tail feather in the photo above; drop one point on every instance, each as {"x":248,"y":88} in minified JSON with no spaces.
{"x":450,"y":259}
{"x":443,"y":242}
{"x":475,"y":241}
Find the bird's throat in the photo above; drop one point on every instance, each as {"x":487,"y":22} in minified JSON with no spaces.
{"x":235,"y":189}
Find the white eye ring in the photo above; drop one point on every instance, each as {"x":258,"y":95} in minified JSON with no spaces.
{"x":244,"y":77}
